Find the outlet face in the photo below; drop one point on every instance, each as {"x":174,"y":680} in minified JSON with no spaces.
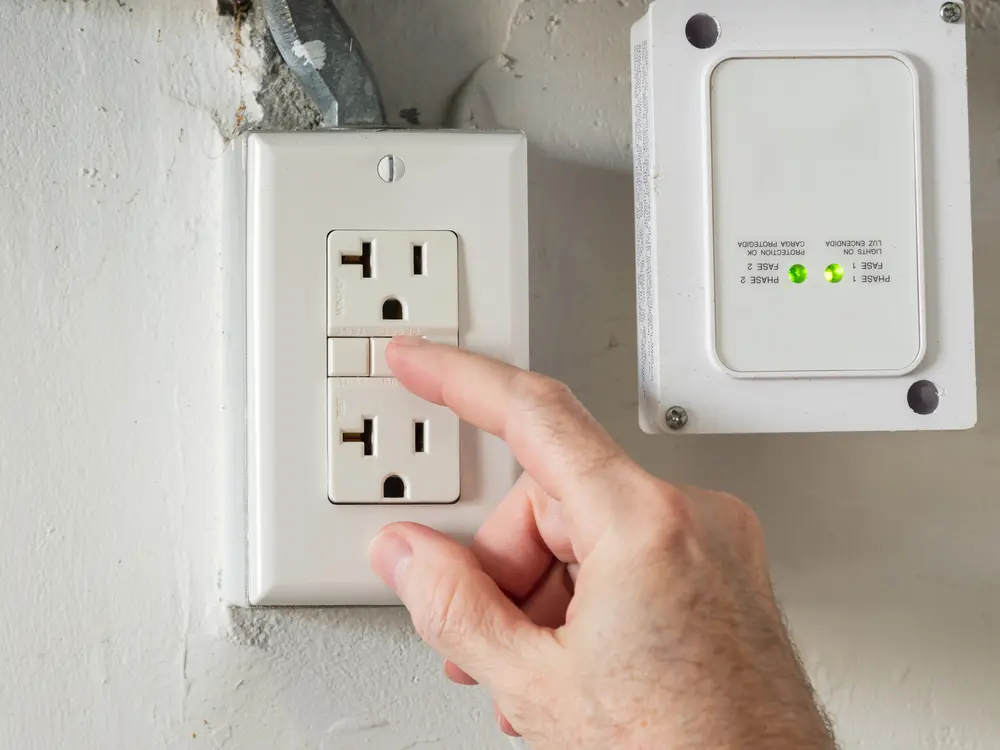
{"x":325,"y":447}
{"x":388,"y":446}
{"x":389,"y":283}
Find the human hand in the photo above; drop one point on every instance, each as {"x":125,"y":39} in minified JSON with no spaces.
{"x":670,"y":637}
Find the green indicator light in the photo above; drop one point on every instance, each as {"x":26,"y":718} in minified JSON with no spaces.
{"x":797,"y":274}
{"x":834,"y":273}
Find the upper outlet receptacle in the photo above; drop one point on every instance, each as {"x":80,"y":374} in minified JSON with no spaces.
{"x":388,"y":283}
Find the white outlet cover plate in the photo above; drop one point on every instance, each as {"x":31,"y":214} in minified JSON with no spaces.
{"x":287,"y":544}
{"x":808,"y":128}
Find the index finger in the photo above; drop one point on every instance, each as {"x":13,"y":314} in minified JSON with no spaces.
{"x":553,"y":437}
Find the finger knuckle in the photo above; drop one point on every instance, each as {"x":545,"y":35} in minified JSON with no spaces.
{"x":672,"y":505}
{"x":532,"y":390}
{"x":743,"y":517}
{"x":668,"y":516}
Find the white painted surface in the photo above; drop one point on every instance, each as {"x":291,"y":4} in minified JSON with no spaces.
{"x":112,"y":636}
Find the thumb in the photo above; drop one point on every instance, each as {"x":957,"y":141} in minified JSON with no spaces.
{"x":456,"y":608}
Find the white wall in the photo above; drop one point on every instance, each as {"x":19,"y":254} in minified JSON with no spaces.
{"x":886,"y":548}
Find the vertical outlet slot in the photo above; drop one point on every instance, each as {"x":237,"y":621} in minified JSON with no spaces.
{"x":366,"y":437}
{"x":394,"y":488}
{"x":418,"y":259}
{"x":419,"y":437}
{"x":364,"y":260}
{"x":392,"y":309}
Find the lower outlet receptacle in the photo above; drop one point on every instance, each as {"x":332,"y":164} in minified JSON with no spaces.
{"x":388,"y":446}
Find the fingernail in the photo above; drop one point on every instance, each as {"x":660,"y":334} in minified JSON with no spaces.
{"x":389,"y":554}
{"x":409,"y":341}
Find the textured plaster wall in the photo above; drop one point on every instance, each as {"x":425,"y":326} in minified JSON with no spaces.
{"x":886,"y":548}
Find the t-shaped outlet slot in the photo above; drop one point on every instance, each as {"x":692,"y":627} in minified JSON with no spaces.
{"x":364,"y":259}
{"x":366,"y":437}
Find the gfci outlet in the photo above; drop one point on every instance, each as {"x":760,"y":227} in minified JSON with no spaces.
{"x":803,"y":215}
{"x":330,"y":254}
{"x":386,"y":445}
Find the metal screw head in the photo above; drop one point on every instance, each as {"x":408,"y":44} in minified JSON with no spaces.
{"x":951,"y":12}
{"x":391,"y":168}
{"x":677,"y":418}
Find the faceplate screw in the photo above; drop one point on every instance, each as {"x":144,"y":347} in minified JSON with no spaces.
{"x":951,"y":12}
{"x":391,"y":168}
{"x":677,"y":418}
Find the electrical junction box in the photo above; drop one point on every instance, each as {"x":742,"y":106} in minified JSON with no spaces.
{"x":336,"y":241}
{"x":803,"y":216}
